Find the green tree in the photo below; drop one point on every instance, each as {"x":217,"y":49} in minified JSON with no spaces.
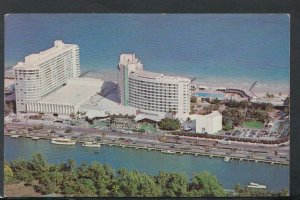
{"x":39,"y":163}
{"x":205,"y":185}
{"x":173,"y":184}
{"x":169,"y":124}
{"x":8,"y":173}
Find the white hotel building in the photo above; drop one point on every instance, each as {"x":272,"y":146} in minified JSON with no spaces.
{"x":152,"y":93}
{"x":44,"y":72}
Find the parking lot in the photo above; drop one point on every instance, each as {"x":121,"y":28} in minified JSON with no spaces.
{"x":261,"y":134}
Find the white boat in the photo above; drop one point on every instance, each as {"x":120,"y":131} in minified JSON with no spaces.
{"x":226,"y":159}
{"x":91,"y":144}
{"x":35,"y":138}
{"x":15,"y":136}
{"x":256,"y":185}
{"x":63,"y":141}
{"x":168,"y":151}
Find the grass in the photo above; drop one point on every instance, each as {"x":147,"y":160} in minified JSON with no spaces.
{"x":253,"y":124}
{"x":148,"y":128}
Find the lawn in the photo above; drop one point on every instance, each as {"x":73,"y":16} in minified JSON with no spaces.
{"x":148,"y":127}
{"x":253,"y":124}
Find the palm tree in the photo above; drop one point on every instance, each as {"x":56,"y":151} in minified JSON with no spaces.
{"x":71,"y":164}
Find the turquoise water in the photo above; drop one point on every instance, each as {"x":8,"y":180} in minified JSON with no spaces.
{"x":273,"y":176}
{"x":210,"y":95}
{"x":207,"y":46}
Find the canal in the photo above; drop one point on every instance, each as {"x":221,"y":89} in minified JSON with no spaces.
{"x":275,"y":177}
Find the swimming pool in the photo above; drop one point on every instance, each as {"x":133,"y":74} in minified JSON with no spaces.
{"x":210,"y":95}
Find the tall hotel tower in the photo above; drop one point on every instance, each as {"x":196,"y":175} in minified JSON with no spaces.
{"x":152,"y":93}
{"x":128,"y":64}
{"x":44,"y":72}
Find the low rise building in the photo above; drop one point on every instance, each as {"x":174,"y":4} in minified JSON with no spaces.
{"x":210,"y":123}
{"x":67,"y":99}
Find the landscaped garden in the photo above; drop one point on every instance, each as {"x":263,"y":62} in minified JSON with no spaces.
{"x":252,"y":124}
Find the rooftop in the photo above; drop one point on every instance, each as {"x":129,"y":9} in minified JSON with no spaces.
{"x":33,"y":60}
{"x":210,"y":115}
{"x":76,"y":91}
{"x":157,"y":76}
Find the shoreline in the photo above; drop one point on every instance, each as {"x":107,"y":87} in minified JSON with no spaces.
{"x":260,"y":89}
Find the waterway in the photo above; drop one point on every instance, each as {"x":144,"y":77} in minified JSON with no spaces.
{"x":275,"y":177}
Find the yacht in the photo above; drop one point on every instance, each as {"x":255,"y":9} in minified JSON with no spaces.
{"x":35,"y":138}
{"x":256,"y":185}
{"x":15,"y":136}
{"x":63,"y":141}
{"x":91,"y":144}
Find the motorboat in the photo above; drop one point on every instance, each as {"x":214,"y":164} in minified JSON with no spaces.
{"x":168,"y":151}
{"x":256,"y":185}
{"x":15,"y":136}
{"x":91,"y":144}
{"x":63,"y":141}
{"x":35,"y":138}
{"x":226,"y":159}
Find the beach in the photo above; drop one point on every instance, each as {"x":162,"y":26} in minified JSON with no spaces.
{"x":260,"y":89}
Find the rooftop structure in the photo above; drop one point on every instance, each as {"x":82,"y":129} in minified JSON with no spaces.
{"x":44,"y":72}
{"x":67,"y":99}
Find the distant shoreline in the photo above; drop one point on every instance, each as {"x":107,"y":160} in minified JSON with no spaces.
{"x":260,"y":89}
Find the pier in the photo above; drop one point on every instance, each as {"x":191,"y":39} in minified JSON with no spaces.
{"x":164,"y":148}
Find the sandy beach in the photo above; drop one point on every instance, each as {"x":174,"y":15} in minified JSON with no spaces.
{"x":260,"y":89}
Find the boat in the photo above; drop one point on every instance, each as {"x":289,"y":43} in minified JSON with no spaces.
{"x":168,"y":151}
{"x":15,"y":136}
{"x":226,"y":159}
{"x":35,"y":138}
{"x":256,"y":185}
{"x":63,"y":141}
{"x":91,"y":144}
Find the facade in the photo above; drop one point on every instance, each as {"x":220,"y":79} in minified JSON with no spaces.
{"x":152,"y":93}
{"x":44,"y":72}
{"x":128,"y":63}
{"x":67,"y":99}
{"x":210,"y":123}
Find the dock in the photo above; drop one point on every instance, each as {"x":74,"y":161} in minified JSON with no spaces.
{"x":149,"y":147}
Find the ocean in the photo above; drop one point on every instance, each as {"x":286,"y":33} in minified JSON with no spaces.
{"x":214,"y":48}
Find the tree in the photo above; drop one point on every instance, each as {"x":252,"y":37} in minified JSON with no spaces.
{"x":8,"y":173}
{"x":193,"y":99}
{"x":39,"y":163}
{"x":70,"y":165}
{"x":172,"y":184}
{"x":169,"y":124}
{"x":72,"y":115}
{"x":205,"y":185}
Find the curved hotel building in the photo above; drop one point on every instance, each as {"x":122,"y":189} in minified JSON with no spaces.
{"x":152,"y":93}
{"x":44,"y":72}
